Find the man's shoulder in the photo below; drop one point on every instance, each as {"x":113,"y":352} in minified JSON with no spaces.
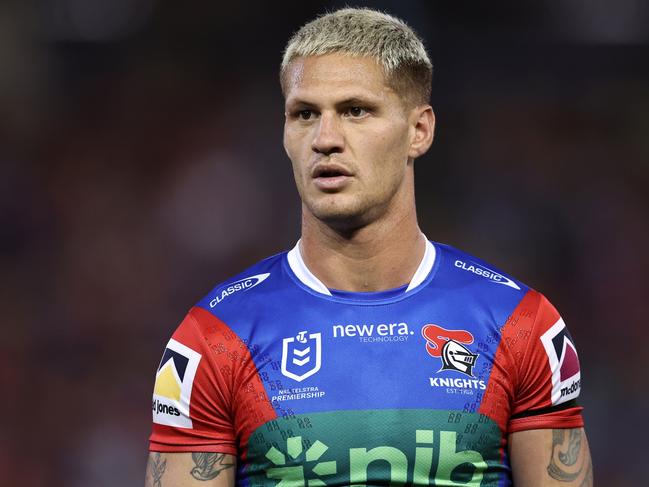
{"x":250,"y":284}
{"x":461,"y":268}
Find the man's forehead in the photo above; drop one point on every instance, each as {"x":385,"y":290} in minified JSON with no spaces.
{"x":335,"y":71}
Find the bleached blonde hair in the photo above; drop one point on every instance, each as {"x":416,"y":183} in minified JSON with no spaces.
{"x":366,"y":32}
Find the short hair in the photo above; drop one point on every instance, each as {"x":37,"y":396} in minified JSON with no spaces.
{"x":366,"y":32}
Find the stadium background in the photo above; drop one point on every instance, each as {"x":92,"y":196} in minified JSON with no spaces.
{"x":141,"y":162}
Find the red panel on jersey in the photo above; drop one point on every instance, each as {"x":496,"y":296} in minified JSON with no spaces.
{"x":522,"y":372}
{"x":228,"y":401}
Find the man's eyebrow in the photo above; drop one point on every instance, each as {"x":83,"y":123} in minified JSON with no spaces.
{"x":299,"y":102}
{"x":350,"y":100}
{"x":357,"y":100}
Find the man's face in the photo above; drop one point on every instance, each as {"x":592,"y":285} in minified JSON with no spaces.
{"x":348,"y":136}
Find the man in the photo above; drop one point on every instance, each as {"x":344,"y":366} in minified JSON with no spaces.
{"x":366,"y":355}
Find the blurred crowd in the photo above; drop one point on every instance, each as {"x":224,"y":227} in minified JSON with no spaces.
{"x":141,"y":163}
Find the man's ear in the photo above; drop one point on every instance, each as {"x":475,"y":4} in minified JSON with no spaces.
{"x":423,"y":123}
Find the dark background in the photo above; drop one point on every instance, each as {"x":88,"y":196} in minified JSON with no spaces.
{"x":141,"y":163}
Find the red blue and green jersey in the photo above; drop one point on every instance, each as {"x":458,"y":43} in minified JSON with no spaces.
{"x":419,"y":385}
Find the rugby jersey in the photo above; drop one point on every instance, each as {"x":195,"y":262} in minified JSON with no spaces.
{"x":418,"y":385}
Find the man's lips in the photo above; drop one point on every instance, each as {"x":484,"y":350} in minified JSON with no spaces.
{"x":331,"y":176}
{"x":330,"y":171}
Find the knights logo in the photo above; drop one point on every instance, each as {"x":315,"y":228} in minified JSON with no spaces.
{"x":301,"y":355}
{"x":449,"y":346}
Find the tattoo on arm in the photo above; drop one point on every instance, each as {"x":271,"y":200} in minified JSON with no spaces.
{"x":588,"y":478}
{"x":208,"y":465}
{"x":567,"y":460}
{"x":570,"y":457}
{"x":157,"y":467}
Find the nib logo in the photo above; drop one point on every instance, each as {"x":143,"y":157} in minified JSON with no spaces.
{"x":294,"y":476}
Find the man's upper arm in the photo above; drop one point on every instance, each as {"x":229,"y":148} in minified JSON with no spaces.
{"x":550,"y":457}
{"x":547,"y":442}
{"x":190,"y":469}
{"x":193,"y":438}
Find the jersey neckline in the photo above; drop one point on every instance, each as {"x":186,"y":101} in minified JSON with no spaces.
{"x":301,"y":273}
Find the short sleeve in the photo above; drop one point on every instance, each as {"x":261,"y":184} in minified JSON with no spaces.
{"x":548,"y":376}
{"x":208,"y":395}
{"x":191,"y":397}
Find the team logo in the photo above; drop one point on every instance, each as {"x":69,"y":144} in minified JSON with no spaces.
{"x":173,"y":385}
{"x":564,"y":363}
{"x":301,"y":355}
{"x":448,"y":345}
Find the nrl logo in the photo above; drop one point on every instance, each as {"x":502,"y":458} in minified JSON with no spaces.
{"x":301,"y":355}
{"x":448,"y":345}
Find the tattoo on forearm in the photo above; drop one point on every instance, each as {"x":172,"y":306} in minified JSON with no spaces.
{"x":209,"y":465}
{"x":157,"y":467}
{"x":567,"y":460}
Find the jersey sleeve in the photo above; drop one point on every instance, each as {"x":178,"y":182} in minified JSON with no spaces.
{"x":548,"y":377}
{"x":191,"y":397}
{"x":208,"y":394}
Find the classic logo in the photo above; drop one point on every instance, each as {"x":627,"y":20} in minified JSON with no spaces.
{"x":447,"y":345}
{"x":487,"y":273}
{"x":173,"y":385}
{"x":244,"y":284}
{"x":301,"y":355}
{"x":564,"y":363}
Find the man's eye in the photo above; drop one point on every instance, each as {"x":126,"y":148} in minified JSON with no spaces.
{"x":305,"y":114}
{"x":356,"y":112}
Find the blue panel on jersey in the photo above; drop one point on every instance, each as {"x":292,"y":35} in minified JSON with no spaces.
{"x":357,"y":352}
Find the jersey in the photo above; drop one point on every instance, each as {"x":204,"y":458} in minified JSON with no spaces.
{"x":419,"y":385}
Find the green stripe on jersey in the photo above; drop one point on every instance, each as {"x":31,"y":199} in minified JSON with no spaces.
{"x":376,"y":447}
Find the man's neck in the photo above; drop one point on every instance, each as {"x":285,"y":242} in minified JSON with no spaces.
{"x":379,"y":256}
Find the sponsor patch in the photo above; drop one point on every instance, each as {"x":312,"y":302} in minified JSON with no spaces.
{"x":244,"y":284}
{"x":564,"y":363}
{"x":482,"y":271}
{"x":449,"y":346}
{"x":374,"y":333}
{"x":301,"y":355}
{"x":173,"y":385}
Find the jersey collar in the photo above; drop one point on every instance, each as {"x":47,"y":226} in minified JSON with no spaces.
{"x":306,"y":277}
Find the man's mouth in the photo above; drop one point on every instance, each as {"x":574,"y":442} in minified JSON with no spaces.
{"x":329,"y":174}
{"x":330,"y":171}
{"x":331,"y":177}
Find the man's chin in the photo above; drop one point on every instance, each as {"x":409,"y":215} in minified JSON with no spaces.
{"x":340,"y":217}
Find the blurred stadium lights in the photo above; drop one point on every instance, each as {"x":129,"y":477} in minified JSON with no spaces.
{"x":94,"y":20}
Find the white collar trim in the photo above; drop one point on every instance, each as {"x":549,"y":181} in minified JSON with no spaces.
{"x":425,"y":266}
{"x":303,"y":273}
{"x":306,"y":277}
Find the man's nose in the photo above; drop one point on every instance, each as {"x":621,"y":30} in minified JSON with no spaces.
{"x":328,"y":137}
